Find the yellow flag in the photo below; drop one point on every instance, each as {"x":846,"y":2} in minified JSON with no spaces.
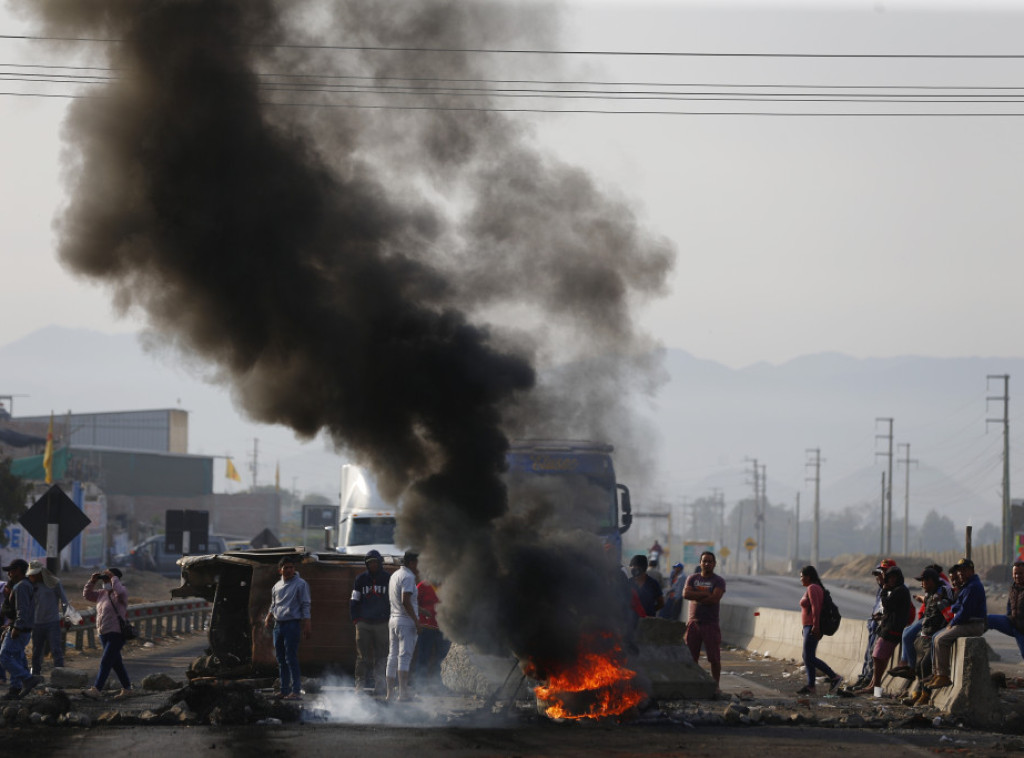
{"x":48,"y":453}
{"x":277,"y":477}
{"x":231,"y":472}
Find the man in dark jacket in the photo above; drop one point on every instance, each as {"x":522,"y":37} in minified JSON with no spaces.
{"x":370,"y":609}
{"x":1012,"y":623}
{"x":969,"y":616}
{"x":21,"y":610}
{"x":897,"y":607}
{"x":937,"y":598}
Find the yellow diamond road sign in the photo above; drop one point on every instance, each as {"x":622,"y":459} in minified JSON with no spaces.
{"x":750,"y":544}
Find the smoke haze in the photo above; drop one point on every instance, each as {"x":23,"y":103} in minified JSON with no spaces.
{"x":401,"y":279}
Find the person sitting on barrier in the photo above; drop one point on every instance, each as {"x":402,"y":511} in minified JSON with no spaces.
{"x":896,"y":612}
{"x":908,"y":650}
{"x":810,"y":619}
{"x":111,"y":606}
{"x":1012,"y":622}
{"x":867,"y":670}
{"x":937,"y":601}
{"x":969,"y":616}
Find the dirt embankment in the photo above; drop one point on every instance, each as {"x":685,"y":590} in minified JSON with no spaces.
{"x":142,"y":586}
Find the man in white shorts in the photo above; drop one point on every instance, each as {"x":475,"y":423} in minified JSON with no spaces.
{"x":403,"y":626}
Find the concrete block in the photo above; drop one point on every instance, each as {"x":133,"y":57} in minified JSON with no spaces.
{"x":665,"y":662}
{"x":66,"y":678}
{"x":972,"y":695}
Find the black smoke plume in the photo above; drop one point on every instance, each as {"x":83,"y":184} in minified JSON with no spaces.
{"x":348,"y":270}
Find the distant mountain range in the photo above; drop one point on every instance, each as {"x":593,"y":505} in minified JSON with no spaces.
{"x":705,"y":423}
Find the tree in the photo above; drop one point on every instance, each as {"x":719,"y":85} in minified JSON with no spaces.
{"x":938,"y":533}
{"x":13,"y":494}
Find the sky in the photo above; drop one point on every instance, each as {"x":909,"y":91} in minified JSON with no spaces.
{"x":869,"y":235}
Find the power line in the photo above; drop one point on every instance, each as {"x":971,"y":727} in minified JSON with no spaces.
{"x":552,"y":51}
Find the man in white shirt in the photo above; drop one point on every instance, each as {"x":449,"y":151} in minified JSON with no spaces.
{"x":403,"y":626}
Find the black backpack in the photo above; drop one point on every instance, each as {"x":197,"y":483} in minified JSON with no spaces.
{"x":830,"y":616}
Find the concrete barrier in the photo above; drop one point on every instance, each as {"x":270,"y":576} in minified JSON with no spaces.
{"x":779,"y":634}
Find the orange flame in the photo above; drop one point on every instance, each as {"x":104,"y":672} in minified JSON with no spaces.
{"x":598,"y":684}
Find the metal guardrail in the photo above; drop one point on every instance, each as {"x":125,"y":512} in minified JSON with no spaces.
{"x":152,"y":620}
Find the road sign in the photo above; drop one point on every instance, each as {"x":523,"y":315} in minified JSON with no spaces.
{"x":724,"y":552}
{"x":318,"y":516}
{"x":750,"y":544}
{"x":195,"y":524}
{"x":56,"y":516}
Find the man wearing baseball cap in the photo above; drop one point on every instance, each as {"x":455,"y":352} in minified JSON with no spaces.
{"x":969,"y":615}
{"x":20,"y":608}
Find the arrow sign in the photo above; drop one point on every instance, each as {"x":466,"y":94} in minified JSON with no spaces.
{"x":54,"y":515}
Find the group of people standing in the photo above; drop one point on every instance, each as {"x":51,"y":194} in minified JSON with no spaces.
{"x":395,"y":617}
{"x":34,"y":603}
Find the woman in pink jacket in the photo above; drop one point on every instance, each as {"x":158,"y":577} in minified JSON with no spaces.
{"x":810,"y":618}
{"x":111,"y":600}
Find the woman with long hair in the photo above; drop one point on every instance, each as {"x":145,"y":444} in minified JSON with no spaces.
{"x":810,"y":618}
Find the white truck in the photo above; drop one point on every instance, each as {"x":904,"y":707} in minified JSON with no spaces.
{"x":362,"y":524}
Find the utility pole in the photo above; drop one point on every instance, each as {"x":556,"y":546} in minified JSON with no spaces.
{"x":816,"y":463}
{"x":888,"y":479}
{"x":906,"y":498}
{"x":1007,"y":552}
{"x":881,"y":521}
{"x":796,"y":535}
{"x":763,"y":525}
{"x":757,"y":508}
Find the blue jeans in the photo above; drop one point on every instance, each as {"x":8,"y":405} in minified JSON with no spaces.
{"x":286,"y":645}
{"x":1004,"y":625}
{"x":811,"y":661}
{"x":111,"y":661}
{"x":41,"y":635}
{"x":867,"y":671}
{"x":908,"y":656}
{"x":12,"y":657}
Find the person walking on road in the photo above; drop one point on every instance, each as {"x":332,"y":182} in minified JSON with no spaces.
{"x":370,"y":610}
{"x":20,"y":609}
{"x":51,"y":602}
{"x":403,"y":627}
{"x":105,"y":589}
{"x":290,"y":618}
{"x":810,"y":619}
{"x":704,"y":591}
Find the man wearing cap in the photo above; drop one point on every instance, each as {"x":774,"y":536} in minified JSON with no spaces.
{"x":51,"y":602}
{"x":1012,"y":622}
{"x":969,"y":615}
{"x":674,"y":597}
{"x":935,"y":602}
{"x":908,"y":649}
{"x":370,"y":610}
{"x":21,"y":610}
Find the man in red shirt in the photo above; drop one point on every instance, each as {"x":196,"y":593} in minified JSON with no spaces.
{"x":432,"y":647}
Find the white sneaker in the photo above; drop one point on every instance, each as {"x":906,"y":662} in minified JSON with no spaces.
{"x":92,"y":693}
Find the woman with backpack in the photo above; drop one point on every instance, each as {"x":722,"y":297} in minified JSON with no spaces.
{"x":897,"y":610}
{"x":810,"y":617}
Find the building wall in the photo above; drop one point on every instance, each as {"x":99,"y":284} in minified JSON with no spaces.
{"x":241,"y":515}
{"x":123,"y":472}
{"x":160,"y":431}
